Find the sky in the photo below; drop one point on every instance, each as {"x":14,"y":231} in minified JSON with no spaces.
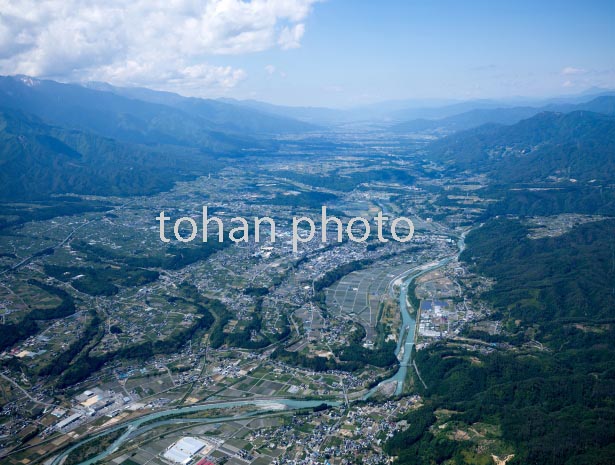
{"x":336,"y":53}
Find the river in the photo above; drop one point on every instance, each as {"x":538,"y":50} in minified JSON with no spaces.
{"x":406,"y":340}
{"x":136,"y":427}
{"x":407,"y":332}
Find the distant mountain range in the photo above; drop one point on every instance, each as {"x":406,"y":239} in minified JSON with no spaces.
{"x":509,"y":115}
{"x":99,"y":139}
{"x":219,"y":115}
{"x":579,"y":145}
{"x":312,"y":115}
{"x":142,"y":116}
{"x":38,"y":160}
{"x":59,"y":138}
{"x":400,"y":112}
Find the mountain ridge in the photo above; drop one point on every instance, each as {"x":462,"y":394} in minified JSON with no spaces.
{"x":577,"y":145}
{"x":39,"y":160}
{"x":137,"y":121}
{"x":500,"y":115}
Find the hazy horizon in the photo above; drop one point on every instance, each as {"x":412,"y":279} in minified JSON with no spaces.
{"x":395,"y":103}
{"x":333,"y":53}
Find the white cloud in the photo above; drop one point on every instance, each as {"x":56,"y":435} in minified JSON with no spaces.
{"x":571,"y":71}
{"x":162,"y":43}
{"x":291,"y":37}
{"x":270,"y":69}
{"x":576,"y":78}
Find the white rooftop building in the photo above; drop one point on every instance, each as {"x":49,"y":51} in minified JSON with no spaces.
{"x":184,"y":449}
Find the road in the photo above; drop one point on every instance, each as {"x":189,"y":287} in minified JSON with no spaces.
{"x":26,"y":393}
{"x":137,"y":426}
{"x":61,"y":243}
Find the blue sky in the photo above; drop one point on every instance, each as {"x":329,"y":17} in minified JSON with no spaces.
{"x":310,"y":52}
{"x":360,"y":51}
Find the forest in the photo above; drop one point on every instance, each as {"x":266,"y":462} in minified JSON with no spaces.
{"x":553,"y":406}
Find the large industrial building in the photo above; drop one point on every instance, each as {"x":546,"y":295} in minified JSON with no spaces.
{"x":184,"y":450}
